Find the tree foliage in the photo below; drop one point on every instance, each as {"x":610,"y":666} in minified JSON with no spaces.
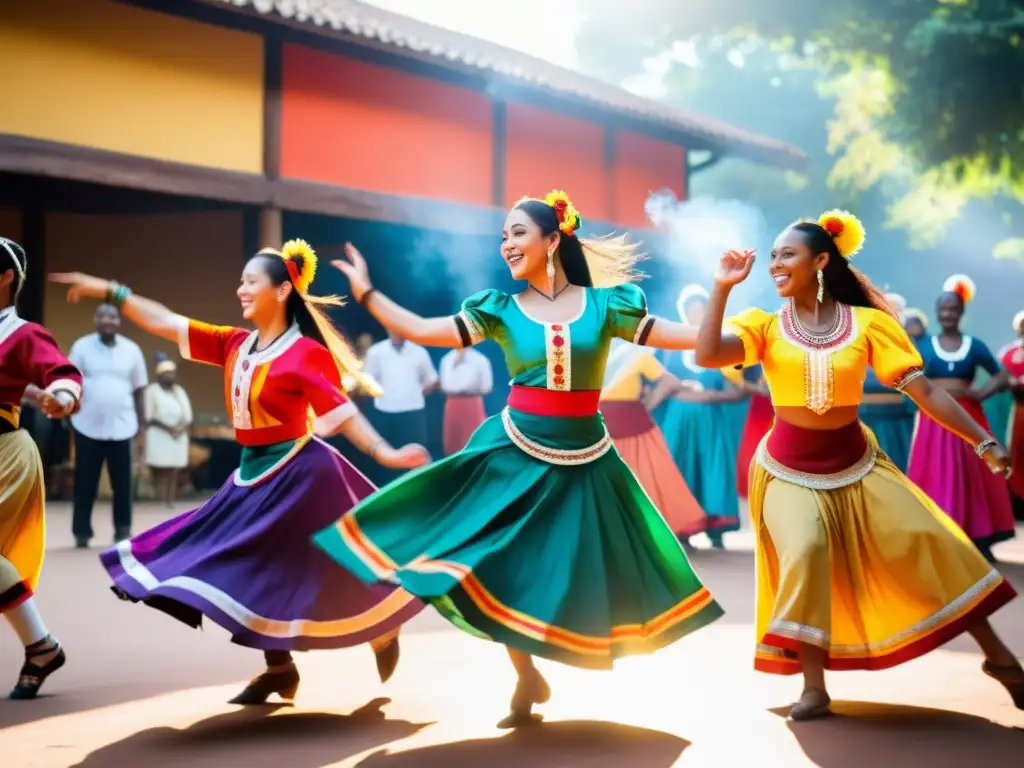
{"x":928,"y":94}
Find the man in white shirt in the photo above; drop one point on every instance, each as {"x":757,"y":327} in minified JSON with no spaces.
{"x":114,"y":378}
{"x":466,"y":376}
{"x":407,"y":375}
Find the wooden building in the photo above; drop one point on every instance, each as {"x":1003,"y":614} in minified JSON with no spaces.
{"x":160,"y":142}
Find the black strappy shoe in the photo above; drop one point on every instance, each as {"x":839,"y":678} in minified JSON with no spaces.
{"x":387,"y":660}
{"x":529,"y":691}
{"x":32,"y":676}
{"x":284,"y":683}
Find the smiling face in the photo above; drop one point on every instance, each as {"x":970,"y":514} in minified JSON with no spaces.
{"x":261,"y":299}
{"x":793,"y":266}
{"x":524,"y":247}
{"x":949,"y":310}
{"x":107,"y":320}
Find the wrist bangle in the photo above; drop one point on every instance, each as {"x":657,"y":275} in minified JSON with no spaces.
{"x":985,"y":446}
{"x":117,"y":294}
{"x":376,"y":446}
{"x":365,"y":298}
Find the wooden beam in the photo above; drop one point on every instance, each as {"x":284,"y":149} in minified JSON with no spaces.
{"x":499,"y":153}
{"x":19,"y":154}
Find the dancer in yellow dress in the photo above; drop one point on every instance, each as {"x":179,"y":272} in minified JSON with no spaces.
{"x":856,"y":567}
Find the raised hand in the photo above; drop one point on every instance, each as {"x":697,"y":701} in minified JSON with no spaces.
{"x":81,"y":286}
{"x":734,"y":266}
{"x":355,"y":269}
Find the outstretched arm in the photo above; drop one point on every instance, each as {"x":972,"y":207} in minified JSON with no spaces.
{"x":358,"y":431}
{"x":428,"y":331}
{"x":668,"y":334}
{"x":149,"y":315}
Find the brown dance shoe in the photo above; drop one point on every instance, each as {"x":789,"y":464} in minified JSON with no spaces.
{"x":285,"y":683}
{"x":1011,"y":678}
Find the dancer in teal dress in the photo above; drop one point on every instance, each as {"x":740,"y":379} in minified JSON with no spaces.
{"x":536,"y":535}
{"x":890,"y":415}
{"x":703,"y":428}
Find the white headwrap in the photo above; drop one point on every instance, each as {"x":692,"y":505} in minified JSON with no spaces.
{"x":18,"y":266}
{"x":691,"y":291}
{"x":1018,"y":322}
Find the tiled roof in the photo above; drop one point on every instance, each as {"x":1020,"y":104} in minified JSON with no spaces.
{"x":365,"y":24}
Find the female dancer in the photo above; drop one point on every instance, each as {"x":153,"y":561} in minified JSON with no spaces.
{"x":915,"y":323}
{"x":244,"y":559}
{"x":31,"y":364}
{"x":1012,"y":358}
{"x":759,"y":421}
{"x":856,"y":567}
{"x":941,"y":464}
{"x":638,"y":439}
{"x":702,"y":431}
{"x":536,"y":535}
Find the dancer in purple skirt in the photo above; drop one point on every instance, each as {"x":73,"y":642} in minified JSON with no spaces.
{"x":245,"y":559}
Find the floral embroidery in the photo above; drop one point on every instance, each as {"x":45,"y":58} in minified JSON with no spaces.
{"x":561,"y":456}
{"x":559,"y":355}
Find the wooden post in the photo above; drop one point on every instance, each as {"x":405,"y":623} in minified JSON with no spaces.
{"x":270,"y":229}
{"x":610,"y":206}
{"x":32,"y":302}
{"x":499,"y":153}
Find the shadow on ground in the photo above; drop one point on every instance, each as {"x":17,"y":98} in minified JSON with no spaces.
{"x":883,"y":735}
{"x":257,"y":737}
{"x":591,"y":744}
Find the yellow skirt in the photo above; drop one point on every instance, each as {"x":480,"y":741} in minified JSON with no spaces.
{"x":873,"y":572}
{"x":22,"y":518}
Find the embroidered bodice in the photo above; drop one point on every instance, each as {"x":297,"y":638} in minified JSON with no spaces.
{"x":824,"y":371}
{"x":962,"y":363}
{"x":29,"y":355}
{"x":284,"y":392}
{"x":567,"y":356}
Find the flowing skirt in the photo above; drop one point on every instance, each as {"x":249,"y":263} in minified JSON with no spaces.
{"x":642,"y":446}
{"x":462,"y":415}
{"x":873,"y":572}
{"x":946,"y":468}
{"x":22,"y":518}
{"x":759,"y":420}
{"x":704,"y":441}
{"x":893,"y":426}
{"x":245,"y":560}
{"x":538,"y":536}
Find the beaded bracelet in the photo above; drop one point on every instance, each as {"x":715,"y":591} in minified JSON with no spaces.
{"x":117,"y":294}
{"x":365,"y":298}
{"x":985,"y":445}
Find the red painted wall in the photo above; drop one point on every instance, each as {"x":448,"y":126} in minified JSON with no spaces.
{"x":360,"y":125}
{"x":642,"y":166}
{"x":547,"y":150}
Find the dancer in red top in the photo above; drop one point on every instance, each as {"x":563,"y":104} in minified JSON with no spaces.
{"x":32,"y":366}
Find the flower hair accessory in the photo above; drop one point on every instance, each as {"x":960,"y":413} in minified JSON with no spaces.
{"x":962,"y":286}
{"x":845,"y":229}
{"x":568,"y":217}
{"x":300,"y":259}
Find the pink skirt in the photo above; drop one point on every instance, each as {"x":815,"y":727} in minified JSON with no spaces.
{"x":946,"y":468}
{"x":462,"y":415}
{"x":642,"y":446}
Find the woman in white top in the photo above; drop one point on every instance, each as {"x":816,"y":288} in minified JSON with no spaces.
{"x":466,"y":376}
{"x":168,"y":418}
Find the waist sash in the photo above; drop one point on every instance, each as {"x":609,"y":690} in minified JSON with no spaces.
{"x":822,"y":459}
{"x":536,"y":401}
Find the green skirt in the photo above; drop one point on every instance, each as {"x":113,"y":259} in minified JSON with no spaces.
{"x":537,"y":536}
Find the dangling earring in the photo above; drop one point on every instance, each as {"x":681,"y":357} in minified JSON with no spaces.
{"x":821,"y":293}
{"x":551,"y":271}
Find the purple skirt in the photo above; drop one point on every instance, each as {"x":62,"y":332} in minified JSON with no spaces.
{"x":246,"y":560}
{"x":946,"y":468}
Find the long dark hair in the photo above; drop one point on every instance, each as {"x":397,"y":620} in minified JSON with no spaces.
{"x":308,"y":313}
{"x":13,"y":257}
{"x":588,"y":262}
{"x":843,"y":283}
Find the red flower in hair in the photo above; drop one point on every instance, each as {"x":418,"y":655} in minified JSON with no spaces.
{"x":561,"y":206}
{"x":833,"y":225}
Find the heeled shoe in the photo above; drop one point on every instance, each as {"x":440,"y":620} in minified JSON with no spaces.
{"x":387,"y":660}
{"x":32,"y":676}
{"x":529,"y":691}
{"x":285,"y":683}
{"x":1011,"y":678}
{"x":812,"y":705}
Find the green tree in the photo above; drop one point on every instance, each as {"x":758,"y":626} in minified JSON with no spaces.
{"x":927,"y":94}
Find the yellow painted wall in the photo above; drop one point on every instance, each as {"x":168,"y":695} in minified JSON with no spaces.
{"x":101,"y":74}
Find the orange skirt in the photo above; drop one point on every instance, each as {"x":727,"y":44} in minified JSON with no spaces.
{"x":642,"y":446}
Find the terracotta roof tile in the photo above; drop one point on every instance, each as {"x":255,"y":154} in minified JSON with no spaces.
{"x":367,"y":24}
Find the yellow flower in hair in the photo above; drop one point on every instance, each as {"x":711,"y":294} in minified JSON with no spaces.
{"x":565,"y":211}
{"x":300,"y":270}
{"x":846,"y":230}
